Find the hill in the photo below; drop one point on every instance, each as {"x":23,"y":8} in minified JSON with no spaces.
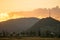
{"x":18,"y":25}
{"x":46,"y":24}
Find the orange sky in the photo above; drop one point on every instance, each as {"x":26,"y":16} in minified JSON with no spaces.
{"x":24,"y":5}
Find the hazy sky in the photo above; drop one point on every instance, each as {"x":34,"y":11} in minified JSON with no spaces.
{"x":26,"y":5}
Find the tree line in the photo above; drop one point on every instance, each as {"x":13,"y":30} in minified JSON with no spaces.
{"x":28,"y":34}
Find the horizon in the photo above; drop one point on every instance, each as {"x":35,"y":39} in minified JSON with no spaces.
{"x":38,"y":13}
{"x":28,"y":18}
{"x":35,"y":13}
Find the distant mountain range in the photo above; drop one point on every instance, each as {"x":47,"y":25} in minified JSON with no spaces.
{"x":31,"y":24}
{"x":18,"y":25}
{"x":46,"y":24}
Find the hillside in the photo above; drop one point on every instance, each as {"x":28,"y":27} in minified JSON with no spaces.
{"x":46,"y":24}
{"x":18,"y":25}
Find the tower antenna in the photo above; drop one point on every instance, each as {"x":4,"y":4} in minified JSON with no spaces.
{"x":49,"y":13}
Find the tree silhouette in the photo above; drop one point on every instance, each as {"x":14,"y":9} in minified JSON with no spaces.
{"x":32,"y":33}
{"x":17,"y":34}
{"x":22,"y":33}
{"x":12,"y":34}
{"x":27,"y":33}
{"x":47,"y":33}
{"x":0,"y":34}
{"x":59,"y":35}
{"x":4,"y":34}
{"x":39,"y":33}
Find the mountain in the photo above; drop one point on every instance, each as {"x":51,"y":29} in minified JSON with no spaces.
{"x":46,"y":24}
{"x":18,"y":25}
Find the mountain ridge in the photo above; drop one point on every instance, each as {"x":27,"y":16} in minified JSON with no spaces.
{"x":18,"y":24}
{"x":46,"y":24}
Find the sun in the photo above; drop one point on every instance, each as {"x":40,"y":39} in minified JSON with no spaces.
{"x":3,"y":16}
{"x":7,"y":16}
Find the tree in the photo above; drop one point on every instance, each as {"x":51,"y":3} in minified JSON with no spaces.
{"x":0,"y":34}
{"x":32,"y":33}
{"x":27,"y":33}
{"x":4,"y":34}
{"x":17,"y":34}
{"x":39,"y":33}
{"x":12,"y":34}
{"x":22,"y":33}
{"x":47,"y":33}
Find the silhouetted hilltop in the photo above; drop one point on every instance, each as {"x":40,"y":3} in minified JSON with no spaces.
{"x":18,"y":25}
{"x":46,"y":24}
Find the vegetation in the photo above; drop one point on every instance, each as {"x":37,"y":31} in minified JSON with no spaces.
{"x":26,"y":34}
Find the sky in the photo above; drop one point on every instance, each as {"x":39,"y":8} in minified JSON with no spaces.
{"x":24,"y":5}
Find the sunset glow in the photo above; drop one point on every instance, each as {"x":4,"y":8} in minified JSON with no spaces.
{"x":26,"y":5}
{"x":7,"y":6}
{"x":4,"y":16}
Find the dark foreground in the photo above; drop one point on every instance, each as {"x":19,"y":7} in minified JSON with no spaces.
{"x":29,"y":38}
